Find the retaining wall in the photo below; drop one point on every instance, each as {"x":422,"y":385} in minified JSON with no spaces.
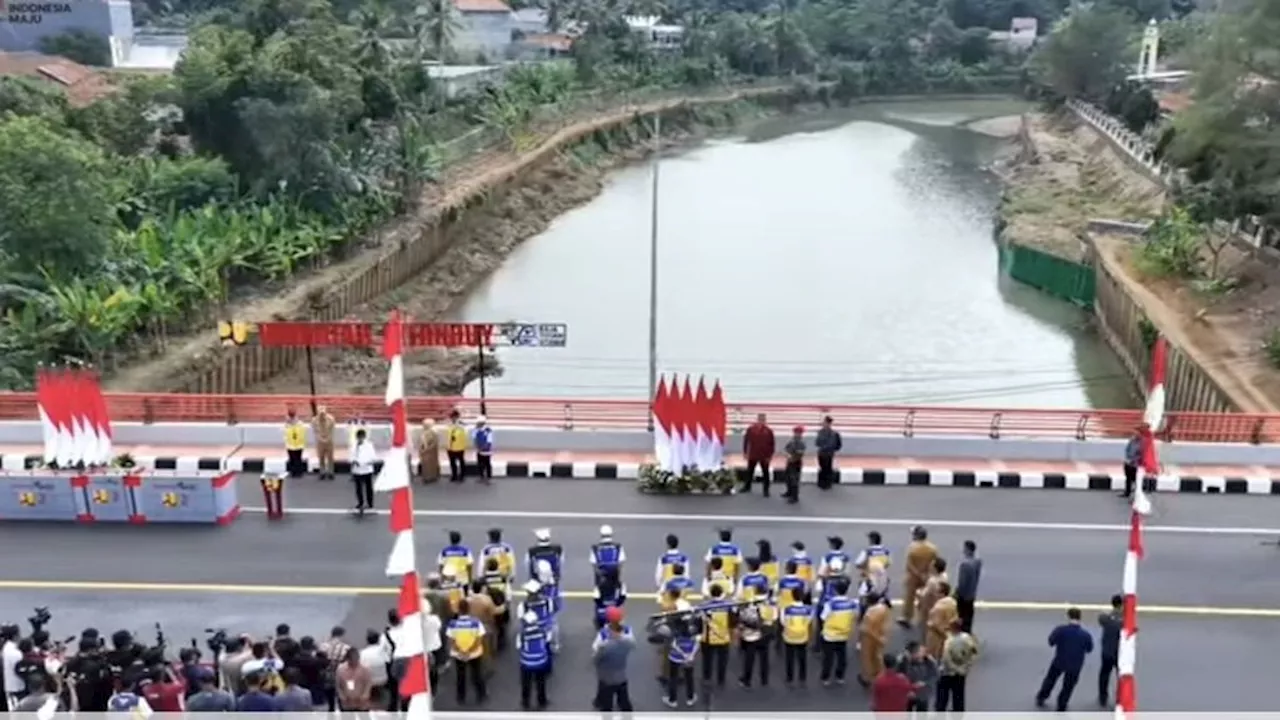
{"x":224,"y":439}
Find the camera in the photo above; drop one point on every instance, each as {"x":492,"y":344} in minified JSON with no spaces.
{"x":217,"y":640}
{"x":41,"y":618}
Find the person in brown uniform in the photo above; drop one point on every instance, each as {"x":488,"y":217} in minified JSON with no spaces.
{"x":931,"y":591}
{"x":429,"y":453}
{"x":322,"y":425}
{"x":942,"y":616}
{"x":484,"y":610}
{"x":920,"y":556}
{"x":873,"y":639}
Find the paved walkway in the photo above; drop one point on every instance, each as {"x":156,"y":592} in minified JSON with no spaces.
{"x":854,"y":470}
{"x":1207,"y":584}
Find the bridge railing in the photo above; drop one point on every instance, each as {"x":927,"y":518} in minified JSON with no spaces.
{"x":885,"y":420}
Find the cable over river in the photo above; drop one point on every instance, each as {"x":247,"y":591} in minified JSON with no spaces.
{"x":844,"y":257}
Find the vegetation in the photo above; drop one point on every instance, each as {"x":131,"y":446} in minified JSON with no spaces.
{"x":291,"y":127}
{"x":79,"y":46}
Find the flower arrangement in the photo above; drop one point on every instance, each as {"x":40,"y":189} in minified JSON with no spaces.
{"x":691,"y":481}
{"x":272,"y":483}
{"x":124,"y":461}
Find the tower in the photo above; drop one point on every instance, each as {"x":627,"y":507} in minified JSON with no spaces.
{"x":1150,"y":49}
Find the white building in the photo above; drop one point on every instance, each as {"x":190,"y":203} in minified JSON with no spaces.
{"x":662,"y":37}
{"x":1021,"y":35}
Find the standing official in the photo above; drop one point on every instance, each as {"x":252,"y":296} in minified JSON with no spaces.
{"x":607,"y":553}
{"x":482,"y":438}
{"x":1112,"y":623}
{"x":958,"y":654}
{"x":322,"y":425}
{"x":828,"y":444}
{"x":938,"y":622}
{"x":873,"y":639}
{"x":535,"y":660}
{"x":717,"y":629}
{"x":795,"y":464}
{"x":466,"y":645}
{"x":1071,"y":644}
{"x":295,"y":442}
{"x":428,"y":453}
{"x":455,"y":447}
{"x":758,"y":447}
{"x":921,"y":554}
{"x":363,"y":459}
{"x":967,"y":584}
{"x":1132,"y":460}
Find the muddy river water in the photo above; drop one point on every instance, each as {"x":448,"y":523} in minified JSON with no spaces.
{"x":843,"y":257}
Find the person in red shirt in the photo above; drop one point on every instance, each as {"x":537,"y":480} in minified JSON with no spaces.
{"x":758,"y":447}
{"x":165,"y":692}
{"x":892,"y":691}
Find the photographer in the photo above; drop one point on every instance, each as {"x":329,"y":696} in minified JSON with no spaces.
{"x":680,"y":633}
{"x":89,"y":675}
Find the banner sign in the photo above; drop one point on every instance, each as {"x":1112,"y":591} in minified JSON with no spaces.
{"x":176,"y":500}
{"x":37,"y":496}
{"x":108,"y":498}
{"x":417,"y":335}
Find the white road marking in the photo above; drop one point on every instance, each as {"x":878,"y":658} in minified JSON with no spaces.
{"x":596,"y":517}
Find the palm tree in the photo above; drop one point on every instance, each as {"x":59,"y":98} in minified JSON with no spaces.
{"x":373,"y":23}
{"x":433,"y":26}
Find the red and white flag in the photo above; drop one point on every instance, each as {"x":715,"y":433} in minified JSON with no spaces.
{"x":690,"y":425}
{"x":410,"y":644}
{"x":703,"y":456}
{"x":719,"y":428}
{"x":661,"y":409}
{"x":45,"y":403}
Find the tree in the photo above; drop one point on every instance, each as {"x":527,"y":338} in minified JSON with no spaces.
{"x":56,"y":200}
{"x":79,"y":46}
{"x":1086,"y":54}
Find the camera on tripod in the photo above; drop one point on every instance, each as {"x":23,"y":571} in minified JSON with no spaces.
{"x":217,"y":640}
{"x":40,"y":619}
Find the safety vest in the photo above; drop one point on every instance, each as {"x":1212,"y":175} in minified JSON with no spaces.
{"x":754,"y":585}
{"x":466,"y":635}
{"x":295,"y":436}
{"x":681,"y":584}
{"x":606,"y":554}
{"x":804,"y":568}
{"x":603,"y":602}
{"x":683,"y":650}
{"x":552,"y":554}
{"x":497,"y":583}
{"x":456,"y":558}
{"x":722,"y":581}
{"x":716,"y":629}
{"x":832,"y":556}
{"x":838,"y":616}
{"x":456,"y":440}
{"x":505,"y":556}
{"x":669,"y":560}
{"x":535,"y":647}
{"x":786,"y":585}
{"x":829,"y":585}
{"x":730,"y":557}
{"x":454,"y":593}
{"x":797,"y":624}
{"x":542,"y":608}
{"x":604,"y":633}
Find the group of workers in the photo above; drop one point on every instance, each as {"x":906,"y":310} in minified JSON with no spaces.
{"x":765,"y":604}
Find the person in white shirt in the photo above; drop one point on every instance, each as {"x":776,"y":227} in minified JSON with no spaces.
{"x":10,"y":655}
{"x":375,"y":658}
{"x":362,"y":470}
{"x":432,"y":642}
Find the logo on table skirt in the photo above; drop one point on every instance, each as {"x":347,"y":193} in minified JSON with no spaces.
{"x":234,"y":333}
{"x":173,"y":500}
{"x":104,"y":497}
{"x":30,"y":499}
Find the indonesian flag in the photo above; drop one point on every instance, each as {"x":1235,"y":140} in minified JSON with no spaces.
{"x":688,"y":419}
{"x":703,"y":437}
{"x":45,"y":403}
{"x":102,"y":421}
{"x":1153,"y":419}
{"x":402,"y":561}
{"x":719,"y":427}
{"x":63,"y":394}
{"x":662,"y":426}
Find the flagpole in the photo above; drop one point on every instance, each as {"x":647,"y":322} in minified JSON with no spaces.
{"x":653,"y":265}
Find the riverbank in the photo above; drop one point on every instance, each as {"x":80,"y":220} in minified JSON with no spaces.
{"x":1058,"y":175}
{"x":483,"y":239}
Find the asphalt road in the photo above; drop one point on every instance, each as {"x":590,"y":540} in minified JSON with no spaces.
{"x":1207,"y":581}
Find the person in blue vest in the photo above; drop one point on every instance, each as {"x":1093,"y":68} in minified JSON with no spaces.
{"x":607,"y":552}
{"x":545,"y":563}
{"x":668,"y":561}
{"x":682,"y":656}
{"x":535,"y":660}
{"x":610,"y":592}
{"x":536,"y":602}
{"x":482,"y":440}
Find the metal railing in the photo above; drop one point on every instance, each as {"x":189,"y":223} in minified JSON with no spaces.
{"x":886,"y":420}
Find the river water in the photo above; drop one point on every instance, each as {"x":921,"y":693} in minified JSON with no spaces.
{"x":844,"y":257}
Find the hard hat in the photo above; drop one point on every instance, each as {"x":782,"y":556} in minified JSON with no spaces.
{"x":606,"y":531}
{"x":530,"y":618}
{"x":543,"y":534}
{"x":613,"y":615}
{"x":480,"y":419}
{"x":532,"y":586}
{"x":683,"y":606}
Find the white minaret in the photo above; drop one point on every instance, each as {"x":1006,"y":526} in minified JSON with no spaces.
{"x":1150,"y":49}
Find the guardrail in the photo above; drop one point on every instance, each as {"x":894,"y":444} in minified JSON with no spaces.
{"x":904,"y":421}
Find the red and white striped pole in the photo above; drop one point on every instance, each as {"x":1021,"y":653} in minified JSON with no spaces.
{"x":1153,"y":418}
{"x":402,"y":563}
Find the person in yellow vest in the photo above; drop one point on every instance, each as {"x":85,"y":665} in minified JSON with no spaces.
{"x":500,"y":551}
{"x":466,"y":646}
{"x":717,"y":578}
{"x":457,"y":558}
{"x":729,"y":553}
{"x":769,"y":564}
{"x":754,"y":584}
{"x":717,"y":629}
{"x":839,"y":617}
{"x":873,"y":639}
{"x":797,"y":632}
{"x":942,"y":616}
{"x":791,"y":586}
{"x":804,"y":563}
{"x":454,"y":589}
{"x":455,"y":446}
{"x":295,"y":442}
{"x":919,"y":565}
{"x":322,"y":426}
{"x":672,"y":557}
{"x":931,"y":591}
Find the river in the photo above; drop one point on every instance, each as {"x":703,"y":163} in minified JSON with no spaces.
{"x":842,"y":257}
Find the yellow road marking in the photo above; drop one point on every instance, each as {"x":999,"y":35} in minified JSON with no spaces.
{"x":350,"y":590}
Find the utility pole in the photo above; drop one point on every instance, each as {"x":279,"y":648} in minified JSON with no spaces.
{"x":653,"y":265}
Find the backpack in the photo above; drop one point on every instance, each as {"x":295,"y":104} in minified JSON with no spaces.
{"x":272,"y":683}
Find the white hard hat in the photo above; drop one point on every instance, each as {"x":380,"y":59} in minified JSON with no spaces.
{"x":542,"y":534}
{"x":683,"y":606}
{"x":532,"y":586}
{"x":530,"y":617}
{"x":606,"y":531}
{"x":480,"y":419}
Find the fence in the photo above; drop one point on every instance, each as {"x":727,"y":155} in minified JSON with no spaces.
{"x":901,"y":421}
{"x":233,"y":370}
{"x":1064,"y":279}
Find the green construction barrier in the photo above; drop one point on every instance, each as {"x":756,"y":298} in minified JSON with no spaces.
{"x":1064,"y":279}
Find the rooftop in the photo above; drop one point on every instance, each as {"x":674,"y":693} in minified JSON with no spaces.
{"x":81,"y":84}
{"x":482,"y":6}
